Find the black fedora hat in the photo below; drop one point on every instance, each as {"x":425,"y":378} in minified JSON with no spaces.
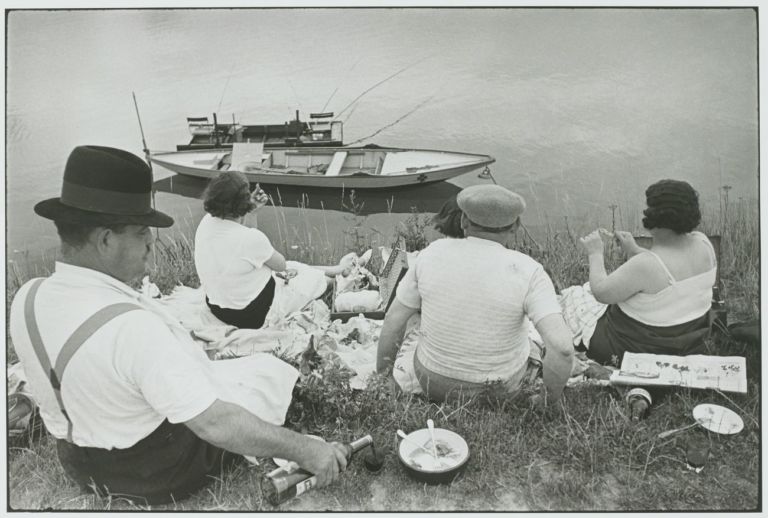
{"x":104,"y":186}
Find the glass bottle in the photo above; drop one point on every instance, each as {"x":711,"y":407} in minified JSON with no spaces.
{"x":639,"y":401}
{"x":719,"y":313}
{"x":290,"y":480}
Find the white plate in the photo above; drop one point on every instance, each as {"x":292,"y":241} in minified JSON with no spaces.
{"x":282,"y":462}
{"x":418,"y":459}
{"x":718,"y":419}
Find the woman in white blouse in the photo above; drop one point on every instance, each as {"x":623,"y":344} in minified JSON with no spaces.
{"x":237,"y":264}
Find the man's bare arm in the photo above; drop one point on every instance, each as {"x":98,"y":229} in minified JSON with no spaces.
{"x":234,"y":429}
{"x":558,"y":360}
{"x":392,"y":333}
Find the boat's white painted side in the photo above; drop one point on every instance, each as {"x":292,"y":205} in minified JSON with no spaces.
{"x":427,"y":166}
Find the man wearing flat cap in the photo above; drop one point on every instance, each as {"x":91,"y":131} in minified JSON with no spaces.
{"x":474,"y":295}
{"x":132,"y":401}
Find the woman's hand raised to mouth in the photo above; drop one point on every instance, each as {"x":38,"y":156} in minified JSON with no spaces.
{"x":593,"y":242}
{"x":259,"y":198}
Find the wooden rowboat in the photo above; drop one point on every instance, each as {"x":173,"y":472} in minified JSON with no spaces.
{"x":369,"y":167}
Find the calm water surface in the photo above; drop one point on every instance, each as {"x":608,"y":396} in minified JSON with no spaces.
{"x":581,"y":108}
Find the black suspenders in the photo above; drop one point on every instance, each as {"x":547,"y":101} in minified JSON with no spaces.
{"x":91,"y":325}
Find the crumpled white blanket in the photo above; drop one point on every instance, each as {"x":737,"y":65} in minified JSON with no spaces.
{"x":353,"y":343}
{"x":293,"y":300}
{"x":581,"y":312}
{"x":357,"y":341}
{"x":17,"y":379}
{"x":292,"y":296}
{"x":16,"y":383}
{"x":403,"y":370}
{"x":221,"y":340}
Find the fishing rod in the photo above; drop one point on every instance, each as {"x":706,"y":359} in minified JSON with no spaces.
{"x":379,"y":84}
{"x":329,"y":99}
{"x":229,"y":76}
{"x":422,"y":103}
{"x":141,"y":129}
{"x":146,"y":157}
{"x":337,"y":88}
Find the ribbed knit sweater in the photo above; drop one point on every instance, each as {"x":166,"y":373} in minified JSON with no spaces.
{"x":474,"y":295}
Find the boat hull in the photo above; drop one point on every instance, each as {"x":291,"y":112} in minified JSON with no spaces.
{"x":346,"y":181}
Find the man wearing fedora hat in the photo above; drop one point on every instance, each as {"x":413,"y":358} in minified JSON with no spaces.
{"x":129,"y":398}
{"x":474,"y":295}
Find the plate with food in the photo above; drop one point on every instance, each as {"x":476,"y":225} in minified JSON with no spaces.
{"x":434,"y":462}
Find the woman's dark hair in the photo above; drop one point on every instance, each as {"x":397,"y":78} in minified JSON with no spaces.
{"x":228,"y":196}
{"x":672,"y":204}
{"x":448,"y":220}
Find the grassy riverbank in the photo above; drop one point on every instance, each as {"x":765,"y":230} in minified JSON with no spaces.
{"x":581,"y":454}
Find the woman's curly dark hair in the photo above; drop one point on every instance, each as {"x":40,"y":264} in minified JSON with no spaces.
{"x":448,"y":220}
{"x":672,"y":204}
{"x":228,"y":196}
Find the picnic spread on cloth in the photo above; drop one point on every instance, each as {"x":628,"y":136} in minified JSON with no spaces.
{"x":346,"y":336}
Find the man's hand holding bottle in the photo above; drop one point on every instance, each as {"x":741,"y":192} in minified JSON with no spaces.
{"x":327,"y":461}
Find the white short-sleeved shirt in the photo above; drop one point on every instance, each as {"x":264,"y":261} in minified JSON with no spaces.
{"x":474,"y":295}
{"x":128,"y":377}
{"x":229,"y":258}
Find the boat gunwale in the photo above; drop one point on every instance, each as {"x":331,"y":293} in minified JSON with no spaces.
{"x":370,"y":181}
{"x":318,"y":150}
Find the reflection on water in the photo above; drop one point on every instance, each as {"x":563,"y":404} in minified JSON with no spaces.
{"x":402,"y":200}
{"x":581,"y":108}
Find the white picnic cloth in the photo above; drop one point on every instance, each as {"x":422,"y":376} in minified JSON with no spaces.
{"x":290,"y":297}
{"x":289,"y":336}
{"x":278,"y":336}
{"x":403,"y":370}
{"x":581,"y":312}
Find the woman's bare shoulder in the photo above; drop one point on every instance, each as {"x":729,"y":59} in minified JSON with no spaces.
{"x":642,"y":260}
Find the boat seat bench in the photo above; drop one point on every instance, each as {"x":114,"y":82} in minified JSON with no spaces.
{"x":246,"y":153}
{"x":334,"y":168}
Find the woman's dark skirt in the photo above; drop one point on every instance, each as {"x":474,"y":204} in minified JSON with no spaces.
{"x":617,"y":333}
{"x":251,"y":316}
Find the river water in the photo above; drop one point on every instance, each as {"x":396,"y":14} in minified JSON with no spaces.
{"x":582,"y":108}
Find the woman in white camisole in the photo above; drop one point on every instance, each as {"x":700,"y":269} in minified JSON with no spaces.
{"x":659,"y":300}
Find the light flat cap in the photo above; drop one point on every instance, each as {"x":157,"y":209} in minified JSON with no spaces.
{"x":491,"y":206}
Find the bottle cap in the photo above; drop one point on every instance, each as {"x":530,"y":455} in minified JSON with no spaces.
{"x":640,"y":392}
